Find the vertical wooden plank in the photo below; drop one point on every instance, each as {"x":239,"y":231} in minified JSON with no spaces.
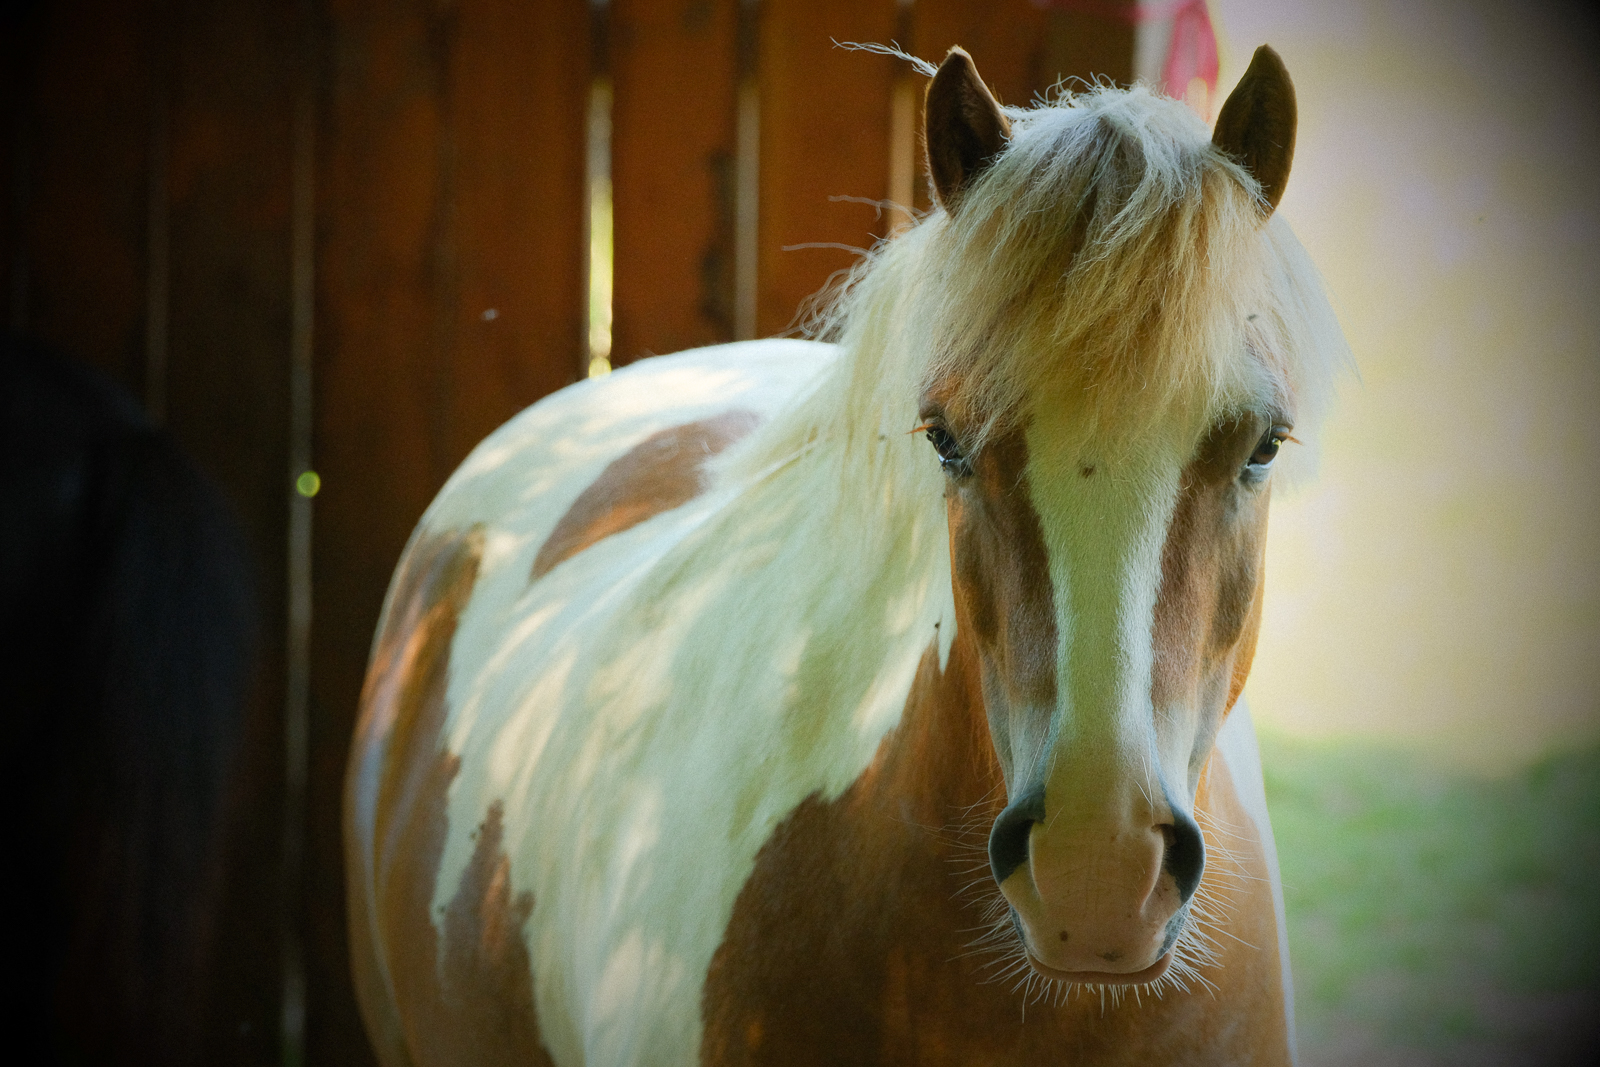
{"x":1091,"y":42}
{"x":376,"y":399}
{"x":90,"y":189}
{"x":227,"y":99}
{"x":1005,"y":39}
{"x":87,"y":184}
{"x":516,"y":105}
{"x":449,"y":184}
{"x":672,"y":67}
{"x":905,"y":93}
{"x":228,"y":184}
{"x":825,"y":115}
{"x":18,"y":33}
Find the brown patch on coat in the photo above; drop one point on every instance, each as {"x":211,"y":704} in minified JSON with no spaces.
{"x":660,"y":473}
{"x":462,"y":990}
{"x":1208,"y":610}
{"x":1000,"y":576}
{"x":850,"y":942}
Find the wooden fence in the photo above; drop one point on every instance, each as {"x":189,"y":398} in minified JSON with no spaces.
{"x":352,"y":235}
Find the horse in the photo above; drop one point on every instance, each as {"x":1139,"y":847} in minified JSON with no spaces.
{"x":873,"y":699}
{"x":128,"y":644}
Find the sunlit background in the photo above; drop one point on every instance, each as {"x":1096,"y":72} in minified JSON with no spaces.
{"x":1437,"y":584}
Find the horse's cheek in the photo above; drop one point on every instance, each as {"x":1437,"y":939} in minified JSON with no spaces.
{"x":1244,"y":650}
{"x":1238,"y":578}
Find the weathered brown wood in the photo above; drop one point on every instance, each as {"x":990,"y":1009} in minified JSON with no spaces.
{"x":450,"y":183}
{"x":1089,"y":44}
{"x":515,"y":126}
{"x":672,"y":67}
{"x":104,"y":92}
{"x":228,"y":186}
{"x":88,"y":133}
{"x":1004,"y":38}
{"x":225,"y":88}
{"x":381,"y":215}
{"x":824,"y":133}
{"x":16,"y":45}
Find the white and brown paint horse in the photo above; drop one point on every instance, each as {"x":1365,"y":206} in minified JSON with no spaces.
{"x":696,"y":684}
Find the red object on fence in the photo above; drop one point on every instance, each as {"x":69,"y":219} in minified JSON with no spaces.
{"x":1191,"y":50}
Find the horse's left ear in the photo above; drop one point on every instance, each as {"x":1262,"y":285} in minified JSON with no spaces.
{"x":965,"y":126}
{"x":1256,"y":125}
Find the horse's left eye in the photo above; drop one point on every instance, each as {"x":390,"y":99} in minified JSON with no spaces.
{"x":950,"y":457}
{"x":1267,"y":449}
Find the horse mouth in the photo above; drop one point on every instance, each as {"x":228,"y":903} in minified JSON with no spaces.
{"x":1150,"y":974}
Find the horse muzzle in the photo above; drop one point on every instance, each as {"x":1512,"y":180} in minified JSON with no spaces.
{"x":1098,"y":899}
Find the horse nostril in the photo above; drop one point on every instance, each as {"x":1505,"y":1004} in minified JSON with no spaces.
{"x":1008,"y":840}
{"x":1185,"y":853}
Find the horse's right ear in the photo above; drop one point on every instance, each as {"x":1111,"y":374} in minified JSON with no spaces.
{"x":966,"y":128}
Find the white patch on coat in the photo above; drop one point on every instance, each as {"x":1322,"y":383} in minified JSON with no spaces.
{"x":1104,"y":536}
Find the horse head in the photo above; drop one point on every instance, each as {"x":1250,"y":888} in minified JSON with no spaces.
{"x":1107,"y":421}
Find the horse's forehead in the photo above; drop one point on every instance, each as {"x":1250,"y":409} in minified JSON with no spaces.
{"x":1081,"y":480}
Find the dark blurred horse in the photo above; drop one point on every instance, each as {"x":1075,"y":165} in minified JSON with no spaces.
{"x":126,"y":649}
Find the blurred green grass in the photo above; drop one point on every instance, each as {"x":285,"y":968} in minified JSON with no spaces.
{"x":1435,"y":910}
